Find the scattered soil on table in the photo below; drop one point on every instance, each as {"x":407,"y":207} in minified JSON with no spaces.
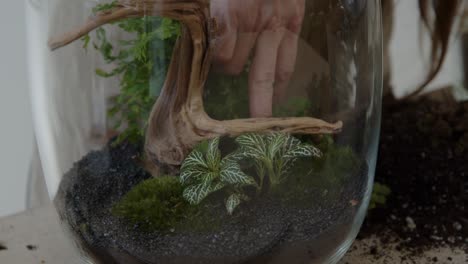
{"x":3,"y":247}
{"x":31,"y":247}
{"x":257,"y":233}
{"x":423,"y":158}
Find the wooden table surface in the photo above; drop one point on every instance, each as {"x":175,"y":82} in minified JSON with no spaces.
{"x":36,"y":237}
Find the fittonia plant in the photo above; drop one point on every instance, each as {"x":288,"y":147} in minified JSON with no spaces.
{"x":274,"y":154}
{"x":205,"y":172}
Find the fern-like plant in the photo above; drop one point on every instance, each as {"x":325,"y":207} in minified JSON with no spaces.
{"x":205,"y":172}
{"x":140,"y":64}
{"x":273,"y":154}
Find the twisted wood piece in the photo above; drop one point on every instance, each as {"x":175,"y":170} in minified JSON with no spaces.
{"x":178,"y":120}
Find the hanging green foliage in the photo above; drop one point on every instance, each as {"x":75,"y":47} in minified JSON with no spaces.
{"x":140,"y":63}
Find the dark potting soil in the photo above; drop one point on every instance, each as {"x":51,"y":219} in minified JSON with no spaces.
{"x":423,"y":158}
{"x":264,"y":231}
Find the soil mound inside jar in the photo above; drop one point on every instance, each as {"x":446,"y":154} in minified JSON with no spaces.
{"x":263,"y":231}
{"x":423,"y":158}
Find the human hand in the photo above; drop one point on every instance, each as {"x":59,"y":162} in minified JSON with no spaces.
{"x":268,"y":29}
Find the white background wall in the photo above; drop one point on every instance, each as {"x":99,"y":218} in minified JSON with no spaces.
{"x":410,"y":58}
{"x":16,"y":136}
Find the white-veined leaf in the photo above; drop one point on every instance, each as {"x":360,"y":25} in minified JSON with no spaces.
{"x":194,"y":159}
{"x":209,"y":177}
{"x":291,"y":143}
{"x":316,"y":152}
{"x":303,"y":150}
{"x":213,"y":155}
{"x":194,"y":194}
{"x":253,"y":145}
{"x":231,"y":173}
{"x":286,"y":166}
{"x":233,"y":157}
{"x":192,"y":174}
{"x":260,"y":167}
{"x":243,"y":197}
{"x":276,"y":142}
{"x":232,"y":202}
{"x":217,"y":186}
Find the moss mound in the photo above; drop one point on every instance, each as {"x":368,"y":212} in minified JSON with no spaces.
{"x":310,"y":177}
{"x":155,"y":204}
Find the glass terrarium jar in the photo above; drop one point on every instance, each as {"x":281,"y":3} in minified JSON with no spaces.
{"x":200,"y":131}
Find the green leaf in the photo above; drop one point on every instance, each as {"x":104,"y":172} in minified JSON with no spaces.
{"x":276,"y":142}
{"x":213,"y":155}
{"x":194,"y":194}
{"x":102,"y":73}
{"x":292,"y":143}
{"x":303,"y":150}
{"x":209,"y":177}
{"x":140,"y":63}
{"x":379,"y":199}
{"x":381,"y":189}
{"x":231,"y":173}
{"x":233,"y":157}
{"x":253,"y":145}
{"x":202,"y":146}
{"x":192,"y":174}
{"x":194,"y":159}
{"x":232,"y":202}
{"x":105,"y":7}
{"x":217,"y":186}
{"x":379,"y":195}
{"x":86,"y":39}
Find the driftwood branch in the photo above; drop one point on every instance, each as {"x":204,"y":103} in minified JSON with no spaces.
{"x":93,"y":23}
{"x":178,"y":120}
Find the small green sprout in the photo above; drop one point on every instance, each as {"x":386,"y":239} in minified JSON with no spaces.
{"x":379,"y":195}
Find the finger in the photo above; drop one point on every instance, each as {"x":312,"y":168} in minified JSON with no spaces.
{"x":225,"y":42}
{"x":244,"y":45}
{"x":287,"y":52}
{"x":262,"y":72}
{"x":248,"y":14}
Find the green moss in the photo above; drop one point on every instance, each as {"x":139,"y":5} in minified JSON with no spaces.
{"x":226,"y":97}
{"x":155,"y":204}
{"x":295,"y":106}
{"x":311,"y":178}
{"x":337,"y":164}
